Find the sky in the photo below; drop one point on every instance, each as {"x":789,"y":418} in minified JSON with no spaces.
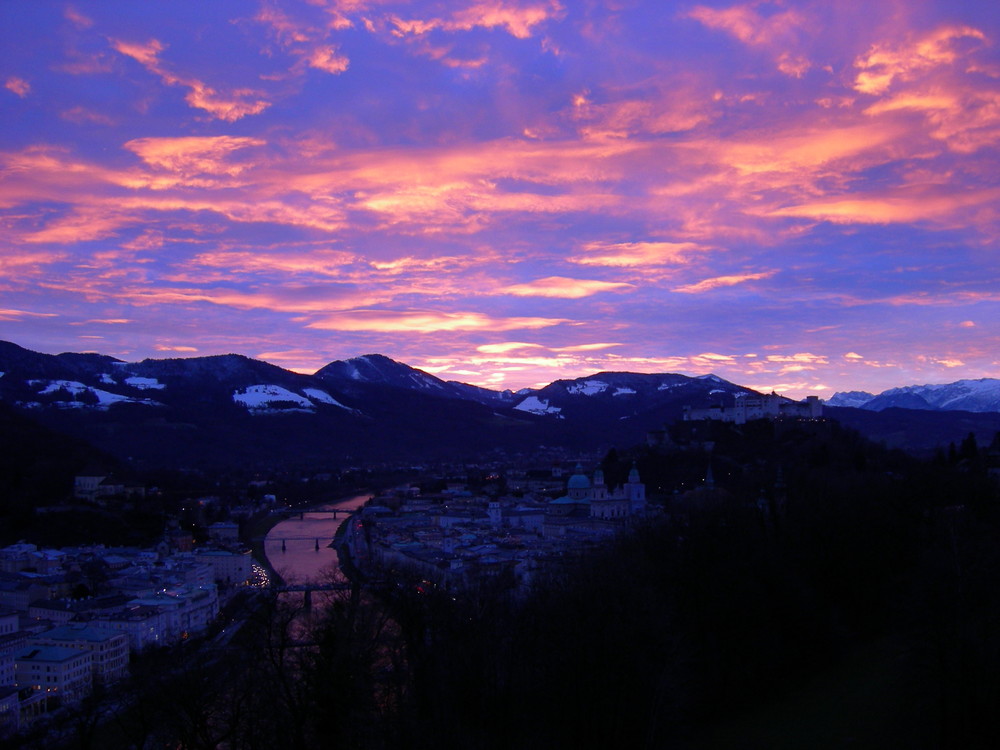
{"x":799,"y":196}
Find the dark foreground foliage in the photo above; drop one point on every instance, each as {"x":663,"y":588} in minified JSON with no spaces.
{"x":830,"y":594}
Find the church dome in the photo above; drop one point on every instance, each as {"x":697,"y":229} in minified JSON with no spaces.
{"x":579,"y":480}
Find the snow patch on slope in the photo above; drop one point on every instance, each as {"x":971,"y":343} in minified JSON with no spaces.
{"x":587,"y":388}
{"x":535,"y":405}
{"x":144,"y":383}
{"x":271,"y":398}
{"x":323,"y":397}
{"x":104,"y":398}
{"x":624,"y":391}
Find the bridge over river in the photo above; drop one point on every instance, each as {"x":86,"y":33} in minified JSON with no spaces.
{"x":297,"y":548}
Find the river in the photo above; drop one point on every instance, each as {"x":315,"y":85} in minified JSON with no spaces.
{"x":300,"y":561}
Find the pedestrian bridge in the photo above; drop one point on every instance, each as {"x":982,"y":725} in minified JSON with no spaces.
{"x":301,"y":512}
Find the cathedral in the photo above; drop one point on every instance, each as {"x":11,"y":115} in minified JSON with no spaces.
{"x":592,"y":496}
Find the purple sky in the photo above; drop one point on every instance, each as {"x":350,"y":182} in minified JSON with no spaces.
{"x":793,"y":195}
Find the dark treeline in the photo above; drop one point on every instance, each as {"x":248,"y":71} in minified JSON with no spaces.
{"x":825,"y":592}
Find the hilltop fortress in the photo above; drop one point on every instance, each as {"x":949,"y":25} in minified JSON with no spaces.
{"x":750,"y":406}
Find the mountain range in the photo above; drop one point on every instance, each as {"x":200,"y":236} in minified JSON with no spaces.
{"x":231,"y":410}
{"x":981,"y":395}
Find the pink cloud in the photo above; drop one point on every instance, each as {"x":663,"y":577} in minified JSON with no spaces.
{"x":427,"y":322}
{"x":229,"y":106}
{"x":778,"y":32}
{"x":319,"y":262}
{"x":18,"y":86}
{"x":561,"y":286}
{"x":749,"y":26}
{"x":78,"y":19}
{"x":517,"y":19}
{"x":937,"y":204}
{"x":208,"y":154}
{"x":306,"y":42}
{"x":329,"y":60}
{"x":883,"y":64}
{"x":708,"y":285}
{"x":16,"y":315}
{"x":636,"y":253}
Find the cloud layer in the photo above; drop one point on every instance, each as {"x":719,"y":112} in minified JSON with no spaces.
{"x":793,"y":194}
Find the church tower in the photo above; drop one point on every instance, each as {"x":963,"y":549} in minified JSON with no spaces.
{"x":600,"y":489}
{"x":635,"y":491}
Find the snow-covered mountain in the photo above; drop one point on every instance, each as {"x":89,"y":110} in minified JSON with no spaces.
{"x":855,"y":399}
{"x":92,"y":382}
{"x":981,"y":395}
{"x":234,"y":410}
{"x":378,"y":369}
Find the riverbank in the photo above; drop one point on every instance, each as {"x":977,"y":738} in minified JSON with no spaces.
{"x":256,"y":531}
{"x":254,"y":534}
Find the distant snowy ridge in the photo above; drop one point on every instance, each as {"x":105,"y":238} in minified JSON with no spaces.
{"x":982,"y":395}
{"x":856,"y":399}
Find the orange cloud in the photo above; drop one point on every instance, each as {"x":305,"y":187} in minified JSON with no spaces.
{"x":307,"y":42}
{"x":12,"y":261}
{"x":426,"y":322}
{"x":560,"y":286}
{"x":192,"y":154}
{"x":517,"y":20}
{"x":803,"y":148}
{"x":327,"y":59}
{"x":321,"y":262}
{"x":776,"y":32}
{"x":230,"y":106}
{"x":287,"y":299}
{"x":749,"y":26}
{"x":659,"y":113}
{"x":964,"y":118}
{"x":81,"y":225}
{"x":721,"y":281}
{"x":883,"y":64}
{"x":635,"y":253}
{"x":18,"y":86}
{"x":15,"y":315}
{"x":584,"y":348}
{"x":904,"y":206}
{"x":508,"y":346}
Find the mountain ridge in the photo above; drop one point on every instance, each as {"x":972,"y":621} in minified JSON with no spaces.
{"x":975,"y":395}
{"x":233,"y":409}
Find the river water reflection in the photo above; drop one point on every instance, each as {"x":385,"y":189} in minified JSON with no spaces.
{"x":300,"y":561}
